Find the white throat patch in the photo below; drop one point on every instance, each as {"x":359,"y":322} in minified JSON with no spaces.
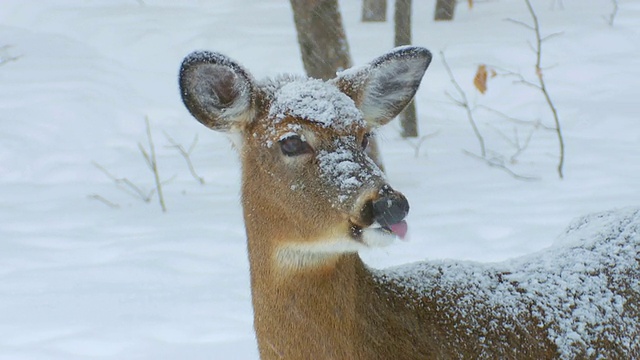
{"x":300,"y":255}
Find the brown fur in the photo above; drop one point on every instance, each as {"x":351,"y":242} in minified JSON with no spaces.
{"x":339,"y":310}
{"x":324,"y":303}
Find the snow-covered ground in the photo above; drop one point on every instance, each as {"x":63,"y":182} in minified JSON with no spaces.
{"x":83,"y":279}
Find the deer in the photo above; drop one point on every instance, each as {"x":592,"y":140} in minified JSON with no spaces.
{"x":312,"y":199}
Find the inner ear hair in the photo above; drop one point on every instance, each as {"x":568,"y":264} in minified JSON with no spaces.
{"x":384,"y":87}
{"x":218,"y":92}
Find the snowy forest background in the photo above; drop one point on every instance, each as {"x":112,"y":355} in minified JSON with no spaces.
{"x":92,"y":267}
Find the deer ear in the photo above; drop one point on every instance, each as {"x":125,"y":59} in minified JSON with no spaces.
{"x":384,"y":87}
{"x":218,"y":92}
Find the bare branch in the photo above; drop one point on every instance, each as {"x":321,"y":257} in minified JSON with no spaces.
{"x":533,"y":123}
{"x":465,"y":103}
{"x":518,"y":22}
{"x":503,"y":115}
{"x":543,"y":88}
{"x":454,"y":100}
{"x":187,"y":155}
{"x":523,"y":147}
{"x":146,"y":156}
{"x":530,"y":84}
{"x":614,"y":12}
{"x":536,"y":28}
{"x":5,"y":59}
{"x":551,"y":36}
{"x":104,"y":201}
{"x":417,"y":144}
{"x":506,"y":138}
{"x":150,"y":157}
{"x":541,"y":85}
{"x":193,"y":144}
{"x":126,"y":185}
{"x":531,"y":47}
{"x":499,"y":164}
{"x":520,"y":79}
{"x":516,"y":143}
{"x":169,"y":180}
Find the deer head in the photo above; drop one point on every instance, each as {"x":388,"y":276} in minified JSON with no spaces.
{"x":310,"y":192}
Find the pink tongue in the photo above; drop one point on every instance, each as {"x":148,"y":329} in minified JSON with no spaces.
{"x":400,"y":229}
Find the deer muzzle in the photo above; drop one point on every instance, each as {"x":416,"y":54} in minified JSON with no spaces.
{"x":390,"y":210}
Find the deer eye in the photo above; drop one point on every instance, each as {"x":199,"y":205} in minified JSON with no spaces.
{"x":365,"y":141}
{"x":294,"y":146}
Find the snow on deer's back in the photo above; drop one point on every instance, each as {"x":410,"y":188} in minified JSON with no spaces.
{"x":312,"y":198}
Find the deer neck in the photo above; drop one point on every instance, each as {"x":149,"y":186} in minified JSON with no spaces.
{"x":311,"y":307}
{"x":334,"y":309}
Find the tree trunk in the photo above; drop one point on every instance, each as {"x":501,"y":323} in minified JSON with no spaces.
{"x":402,"y":18}
{"x":324,"y":46}
{"x":322,"y":39}
{"x":374,"y":10}
{"x":444,"y":10}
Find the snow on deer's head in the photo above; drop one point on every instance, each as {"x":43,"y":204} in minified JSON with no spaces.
{"x":307,"y":182}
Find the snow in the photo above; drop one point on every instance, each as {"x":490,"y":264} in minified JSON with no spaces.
{"x":576,"y":286}
{"x":347,"y":169}
{"x":317,"y":102}
{"x":82,"y":279}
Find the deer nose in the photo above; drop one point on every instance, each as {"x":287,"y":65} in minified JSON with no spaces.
{"x":391,"y":208}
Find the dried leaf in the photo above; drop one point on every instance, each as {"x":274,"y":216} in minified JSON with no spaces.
{"x":470,"y":2}
{"x":480,"y":80}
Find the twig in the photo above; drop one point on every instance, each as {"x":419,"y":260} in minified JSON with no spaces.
{"x":126,"y":185}
{"x":150,"y":158}
{"x":551,"y":36}
{"x":521,"y":23}
{"x":520,"y":78}
{"x":541,"y":85}
{"x":169,"y":180}
{"x":465,"y":104}
{"x":416,"y":146}
{"x":523,"y":147}
{"x":186,"y":154}
{"x":499,"y":164}
{"x":613,"y":14}
{"x":7,"y":59}
{"x":543,"y":88}
{"x":519,"y":146}
{"x":536,"y":123}
{"x":104,"y":201}
{"x":491,"y":161}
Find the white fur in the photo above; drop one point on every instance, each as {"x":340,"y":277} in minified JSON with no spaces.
{"x":376,"y":237}
{"x":295,"y":255}
{"x":236,"y":139}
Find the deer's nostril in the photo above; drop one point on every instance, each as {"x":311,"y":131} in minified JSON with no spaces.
{"x":391,"y":209}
